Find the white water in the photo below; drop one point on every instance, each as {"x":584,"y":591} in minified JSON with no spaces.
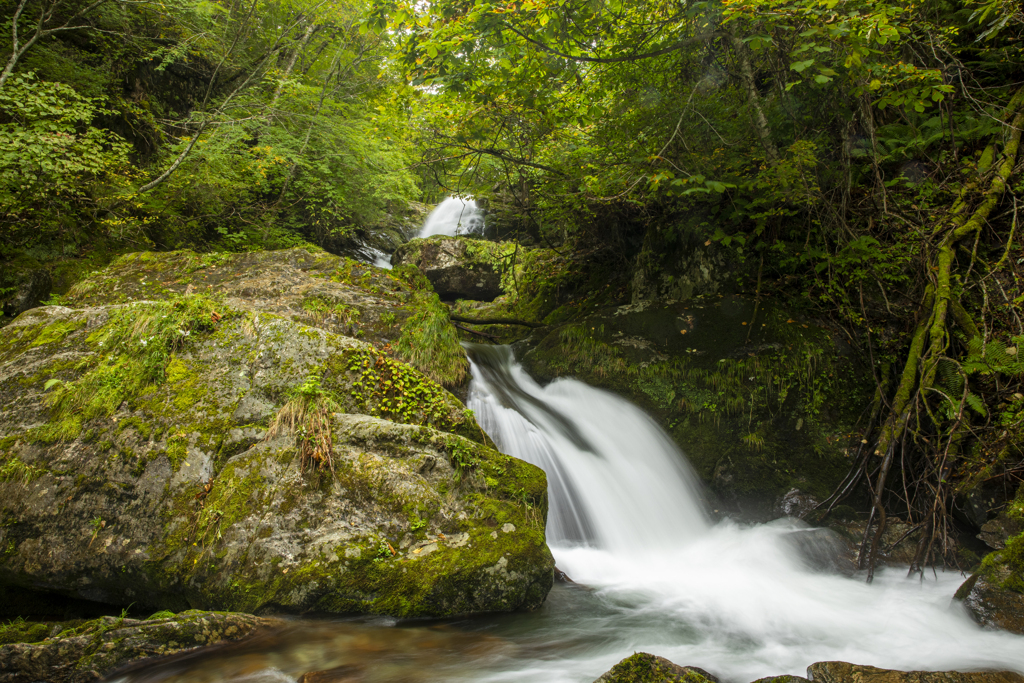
{"x":453,"y":216}
{"x":740,"y":601}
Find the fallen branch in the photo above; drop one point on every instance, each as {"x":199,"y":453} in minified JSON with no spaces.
{"x":479,"y":334}
{"x":493,"y":321}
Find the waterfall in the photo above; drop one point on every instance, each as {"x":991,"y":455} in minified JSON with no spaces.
{"x":453,"y":216}
{"x":627,"y":521}
{"x":617,"y":481}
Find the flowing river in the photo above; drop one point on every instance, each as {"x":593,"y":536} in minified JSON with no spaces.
{"x":653,"y":574}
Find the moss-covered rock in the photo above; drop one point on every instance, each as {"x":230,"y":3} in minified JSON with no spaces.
{"x":457,"y":267}
{"x":138,"y":465}
{"x":760,"y":402}
{"x":396,"y":311}
{"x":83,"y":652}
{"x":994,"y":595}
{"x":645,"y":668}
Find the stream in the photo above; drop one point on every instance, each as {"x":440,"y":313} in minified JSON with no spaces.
{"x":652,"y":573}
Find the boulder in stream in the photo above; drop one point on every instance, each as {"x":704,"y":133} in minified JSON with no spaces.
{"x":228,"y":452}
{"x":642,"y":667}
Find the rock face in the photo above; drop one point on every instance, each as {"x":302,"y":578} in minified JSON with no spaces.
{"x":457,"y":267}
{"x":29,"y":292}
{"x":645,"y":668}
{"x":842,"y":672}
{"x":760,"y":402}
{"x":202,"y":453}
{"x":91,"y":650}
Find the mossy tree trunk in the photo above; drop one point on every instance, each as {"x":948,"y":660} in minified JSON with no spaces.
{"x":913,"y":431}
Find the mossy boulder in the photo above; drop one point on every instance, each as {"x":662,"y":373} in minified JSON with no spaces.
{"x":760,"y":402}
{"x":186,"y":453}
{"x":994,"y":595}
{"x":646,"y":668}
{"x":844,"y":672}
{"x":457,"y":267}
{"x":395,"y":310}
{"x":84,"y":652}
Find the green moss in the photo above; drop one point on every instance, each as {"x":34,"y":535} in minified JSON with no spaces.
{"x":136,"y":346}
{"x":644,"y":668}
{"x":57,"y":331}
{"x":21,"y":631}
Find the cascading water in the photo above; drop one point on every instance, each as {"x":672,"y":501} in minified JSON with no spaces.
{"x":616,"y":480}
{"x":453,"y":216}
{"x":654,"y":575}
{"x":742,"y":602}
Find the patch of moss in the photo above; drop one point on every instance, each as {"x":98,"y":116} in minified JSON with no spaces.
{"x":645,"y":668}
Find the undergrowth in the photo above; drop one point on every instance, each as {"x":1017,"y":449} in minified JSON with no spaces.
{"x":307,"y":415}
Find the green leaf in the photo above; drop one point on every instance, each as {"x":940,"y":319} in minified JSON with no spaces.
{"x":800,"y":66}
{"x":50,"y":383}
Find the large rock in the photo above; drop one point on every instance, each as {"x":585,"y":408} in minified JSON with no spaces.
{"x":994,"y":595}
{"x":646,"y":668}
{"x":393,"y":310}
{"x":457,"y":267}
{"x":760,"y":402}
{"x":86,"y":652}
{"x":137,"y":466}
{"x":843,"y":672}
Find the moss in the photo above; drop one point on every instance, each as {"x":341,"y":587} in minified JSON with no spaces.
{"x":21,"y":631}
{"x":57,"y":331}
{"x":644,"y":668}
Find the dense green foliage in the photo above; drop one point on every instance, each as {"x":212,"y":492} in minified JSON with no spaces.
{"x":242,"y":124}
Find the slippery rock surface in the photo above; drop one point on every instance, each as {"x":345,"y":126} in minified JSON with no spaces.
{"x":94,"y":649}
{"x":176,"y":494}
{"x":646,"y":668}
{"x":843,"y":672}
{"x":457,"y":267}
{"x":990,"y":604}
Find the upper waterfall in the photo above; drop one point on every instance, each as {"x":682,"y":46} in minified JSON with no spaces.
{"x":454,"y":216}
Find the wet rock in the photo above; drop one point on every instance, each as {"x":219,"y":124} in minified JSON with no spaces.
{"x":31,"y":290}
{"x":91,"y":650}
{"x":843,"y":672}
{"x":784,"y":678}
{"x":795,"y":503}
{"x":160,"y":484}
{"x":646,"y":668}
{"x":457,"y":267}
{"x":990,"y":604}
{"x":996,"y":532}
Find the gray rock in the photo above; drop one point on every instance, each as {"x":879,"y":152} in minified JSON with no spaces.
{"x":34,"y":288}
{"x":991,"y":604}
{"x":169,"y":492}
{"x":843,"y":672}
